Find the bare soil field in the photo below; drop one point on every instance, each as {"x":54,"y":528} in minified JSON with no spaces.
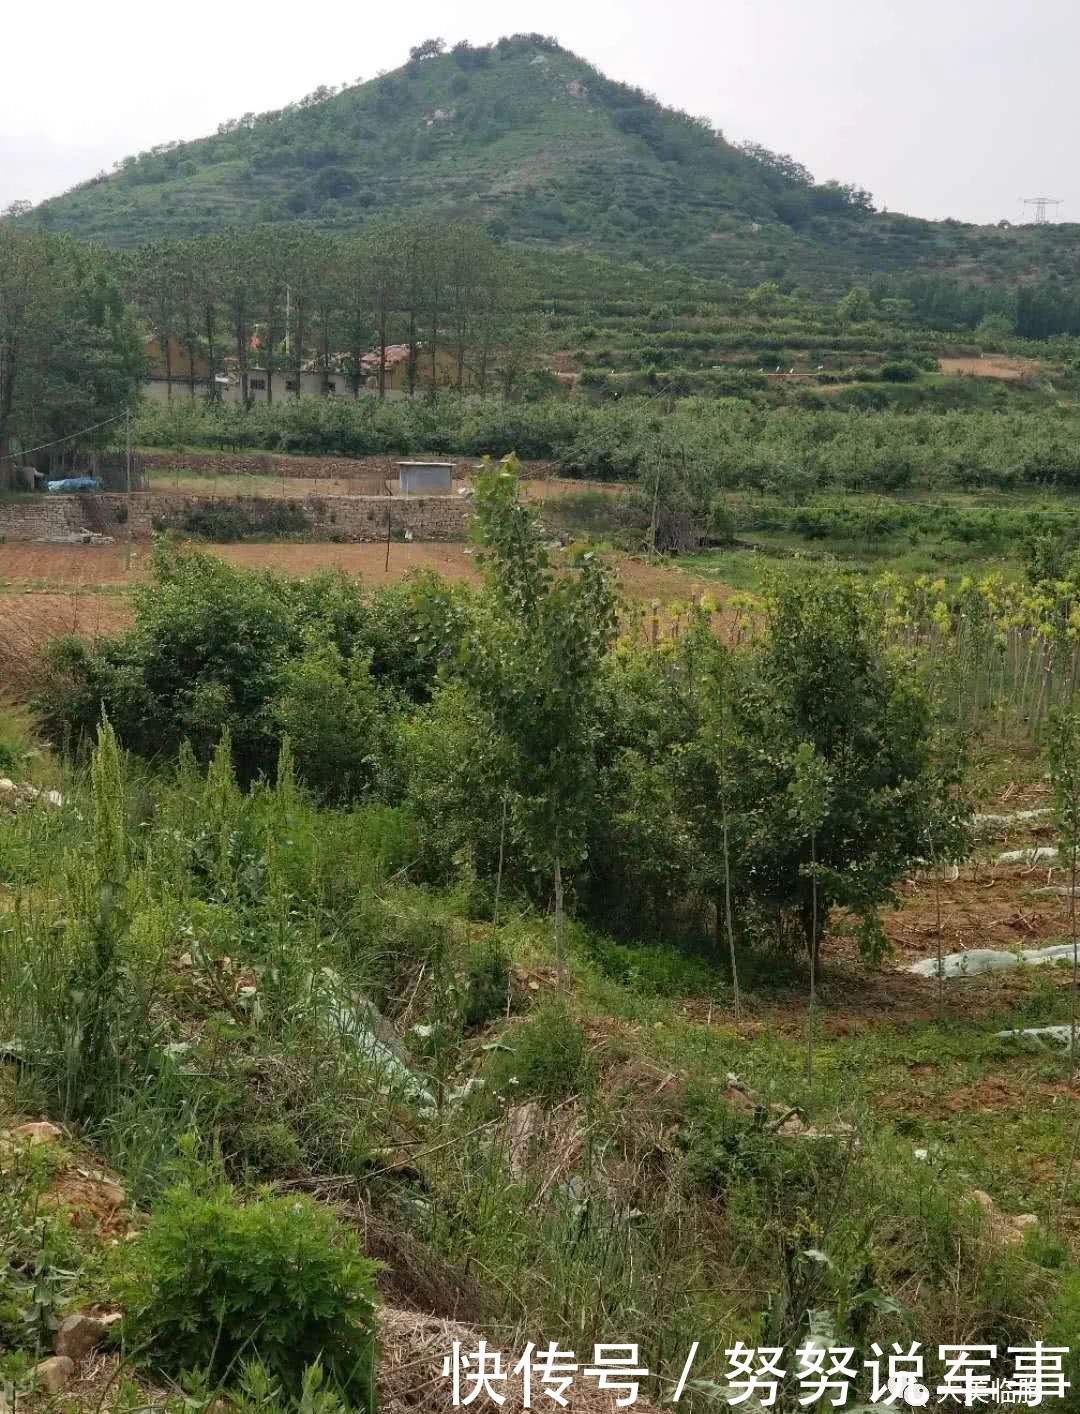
{"x":69,"y":566}
{"x":1001,"y":366}
{"x":55,"y":589}
{"x":29,"y":620}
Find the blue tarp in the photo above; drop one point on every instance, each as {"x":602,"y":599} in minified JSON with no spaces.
{"x":75,"y":483}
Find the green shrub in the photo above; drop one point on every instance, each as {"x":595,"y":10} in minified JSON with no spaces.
{"x":226,"y":521}
{"x":901,"y":371}
{"x":1065,"y":1330}
{"x":654,"y":969}
{"x":215,"y":1281}
{"x":551,"y":1057}
{"x":486,"y":988}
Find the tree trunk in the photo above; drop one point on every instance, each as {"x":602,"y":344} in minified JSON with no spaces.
{"x":7,"y":396}
{"x":382,"y":353}
{"x":167,"y":345}
{"x":299,"y":361}
{"x":242,"y":359}
{"x":213,"y":390}
{"x":560,"y":965}
{"x":813,"y":963}
{"x":1075,"y":962}
{"x":412,"y":353}
{"x":729,"y":923}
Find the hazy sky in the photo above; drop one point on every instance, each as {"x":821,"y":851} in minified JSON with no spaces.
{"x":939,"y":107}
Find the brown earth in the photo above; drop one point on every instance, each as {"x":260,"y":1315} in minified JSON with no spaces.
{"x":73,"y":565}
{"x":1001,"y":366}
{"x":29,"y":620}
{"x":64,"y":584}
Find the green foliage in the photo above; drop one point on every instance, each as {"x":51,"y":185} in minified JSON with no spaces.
{"x":39,"y":1259}
{"x":1064,"y":1326}
{"x":340,"y":722}
{"x":535,"y":664}
{"x":899,"y":371}
{"x":215,"y":1281}
{"x":73,"y":357}
{"x":225,"y":522}
{"x":551,"y":1057}
{"x":702,"y":446}
{"x":16,"y":744}
{"x":825,"y":685}
{"x":487,"y":987}
{"x":216,"y":649}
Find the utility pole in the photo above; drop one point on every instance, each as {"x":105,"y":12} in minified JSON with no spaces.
{"x":1040,"y":204}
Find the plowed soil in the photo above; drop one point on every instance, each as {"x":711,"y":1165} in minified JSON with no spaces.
{"x":27,"y":621}
{"x":72,"y":565}
{"x":1001,"y":366}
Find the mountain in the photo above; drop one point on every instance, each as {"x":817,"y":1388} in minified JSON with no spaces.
{"x":542,"y":148}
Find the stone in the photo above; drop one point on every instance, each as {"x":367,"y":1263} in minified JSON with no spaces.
{"x":54,"y":1374}
{"x":38,"y":1132}
{"x":1005,"y":1228}
{"x":78,"y":1335}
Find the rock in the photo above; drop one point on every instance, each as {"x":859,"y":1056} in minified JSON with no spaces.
{"x":54,"y":1374}
{"x":78,"y":1335}
{"x":525,"y":1128}
{"x":1007,"y":1229}
{"x":739,"y":1098}
{"x":463,"y":1092}
{"x":38,"y":1132}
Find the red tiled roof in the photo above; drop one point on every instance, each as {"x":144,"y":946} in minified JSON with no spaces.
{"x":395,"y":353}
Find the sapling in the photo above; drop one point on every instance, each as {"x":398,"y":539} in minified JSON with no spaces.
{"x":535,"y":662}
{"x":810,"y":791}
{"x":1063,"y":759}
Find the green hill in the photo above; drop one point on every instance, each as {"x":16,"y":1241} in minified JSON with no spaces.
{"x":544,"y":149}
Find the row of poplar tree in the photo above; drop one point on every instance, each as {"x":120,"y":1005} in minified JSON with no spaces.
{"x":74,"y":317}
{"x":289,"y":298}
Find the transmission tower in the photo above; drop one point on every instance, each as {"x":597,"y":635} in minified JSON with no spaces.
{"x":1040,"y":204}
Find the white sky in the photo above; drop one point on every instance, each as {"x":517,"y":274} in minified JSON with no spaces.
{"x":939,"y":107}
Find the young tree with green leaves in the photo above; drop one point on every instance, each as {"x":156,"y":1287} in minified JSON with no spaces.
{"x":71,"y":355}
{"x":809,"y":792}
{"x":157,"y":280}
{"x":535,"y":662}
{"x":1062,"y":751}
{"x":824,"y":676}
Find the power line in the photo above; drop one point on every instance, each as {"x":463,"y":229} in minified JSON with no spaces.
{"x":10,"y":456}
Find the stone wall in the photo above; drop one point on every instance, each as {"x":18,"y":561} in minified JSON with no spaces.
{"x":336,"y":518}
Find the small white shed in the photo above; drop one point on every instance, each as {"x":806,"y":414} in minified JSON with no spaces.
{"x":417,"y":478}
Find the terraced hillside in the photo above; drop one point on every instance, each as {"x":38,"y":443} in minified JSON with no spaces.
{"x":538,"y":144}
